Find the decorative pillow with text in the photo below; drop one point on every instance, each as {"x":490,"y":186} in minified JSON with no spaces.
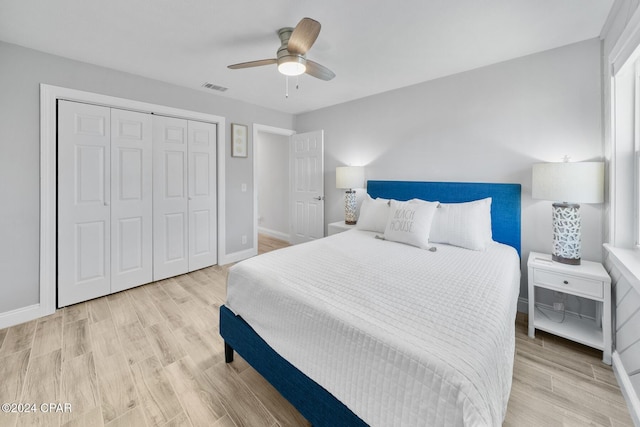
{"x":410,"y":222}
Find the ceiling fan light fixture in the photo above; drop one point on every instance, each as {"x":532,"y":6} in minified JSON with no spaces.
{"x":292,"y":65}
{"x":291,"y":56}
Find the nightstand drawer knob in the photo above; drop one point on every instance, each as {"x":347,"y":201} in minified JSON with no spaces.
{"x":566,"y":282}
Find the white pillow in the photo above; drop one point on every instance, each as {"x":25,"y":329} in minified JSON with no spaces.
{"x":373,"y":214}
{"x":410,"y":222}
{"x":467,"y":225}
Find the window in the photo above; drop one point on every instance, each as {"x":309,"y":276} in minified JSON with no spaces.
{"x":624,"y":184}
{"x":636,"y":154}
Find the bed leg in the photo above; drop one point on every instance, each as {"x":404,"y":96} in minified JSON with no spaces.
{"x":228,"y":353}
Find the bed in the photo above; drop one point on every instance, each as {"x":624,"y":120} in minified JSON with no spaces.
{"x":351,"y":339}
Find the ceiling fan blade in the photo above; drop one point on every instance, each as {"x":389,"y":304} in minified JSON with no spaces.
{"x":250,"y":64}
{"x":303,"y":36}
{"x":319,"y":71}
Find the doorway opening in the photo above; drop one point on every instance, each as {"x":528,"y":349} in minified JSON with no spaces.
{"x":272,"y":182}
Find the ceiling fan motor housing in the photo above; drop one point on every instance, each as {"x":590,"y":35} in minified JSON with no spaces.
{"x":286,"y":59}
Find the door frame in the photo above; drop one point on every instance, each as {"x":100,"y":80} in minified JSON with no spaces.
{"x":276,"y":131}
{"x":49,"y":96}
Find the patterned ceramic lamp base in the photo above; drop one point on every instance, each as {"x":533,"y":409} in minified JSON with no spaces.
{"x":350,"y":207}
{"x":566,"y":233}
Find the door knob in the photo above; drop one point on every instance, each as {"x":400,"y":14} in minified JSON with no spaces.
{"x":319,"y":198}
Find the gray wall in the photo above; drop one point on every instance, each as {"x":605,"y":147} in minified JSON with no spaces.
{"x":273,"y":182}
{"x":490,"y":124}
{"x":21,"y":72}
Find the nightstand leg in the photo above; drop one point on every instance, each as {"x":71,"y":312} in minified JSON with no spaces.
{"x":532,"y":308}
{"x":532,"y":330}
{"x":606,"y":328}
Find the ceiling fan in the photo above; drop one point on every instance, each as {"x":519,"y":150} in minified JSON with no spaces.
{"x":291,"y":55}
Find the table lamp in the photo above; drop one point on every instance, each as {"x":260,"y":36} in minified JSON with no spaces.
{"x":349,"y":177}
{"x":567,"y":184}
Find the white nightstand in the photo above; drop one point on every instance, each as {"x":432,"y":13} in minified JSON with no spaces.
{"x":339,"y":227}
{"x":588,"y":280}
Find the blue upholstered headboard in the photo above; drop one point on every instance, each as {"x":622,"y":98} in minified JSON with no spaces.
{"x":505,"y":203}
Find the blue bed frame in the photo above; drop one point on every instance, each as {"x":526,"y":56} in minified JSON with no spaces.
{"x":315,"y":403}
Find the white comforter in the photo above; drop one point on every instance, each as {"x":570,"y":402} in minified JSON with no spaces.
{"x":402,"y":336}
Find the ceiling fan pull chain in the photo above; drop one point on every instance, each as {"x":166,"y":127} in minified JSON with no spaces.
{"x":297,"y":82}
{"x":286,"y":85}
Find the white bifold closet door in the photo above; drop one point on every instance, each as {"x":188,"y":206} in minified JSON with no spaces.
{"x":184,"y":196}
{"x":131,"y":199}
{"x":104,"y":201}
{"x":202,"y":209}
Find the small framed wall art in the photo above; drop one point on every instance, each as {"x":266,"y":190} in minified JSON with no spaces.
{"x":239,"y":140}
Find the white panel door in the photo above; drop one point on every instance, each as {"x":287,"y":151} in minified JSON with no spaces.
{"x":202,"y":195}
{"x":84,"y":182}
{"x":170,"y":215}
{"x":131,"y":200}
{"x":307,"y":165}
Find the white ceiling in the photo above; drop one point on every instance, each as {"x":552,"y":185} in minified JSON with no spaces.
{"x":372,"y":45}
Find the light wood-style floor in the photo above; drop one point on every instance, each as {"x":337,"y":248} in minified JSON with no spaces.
{"x":152,"y":356}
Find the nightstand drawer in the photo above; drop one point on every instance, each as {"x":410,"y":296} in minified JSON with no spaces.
{"x":572,"y":284}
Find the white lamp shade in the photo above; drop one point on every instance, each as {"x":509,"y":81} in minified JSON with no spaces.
{"x":580,"y":182}
{"x":349,"y":177}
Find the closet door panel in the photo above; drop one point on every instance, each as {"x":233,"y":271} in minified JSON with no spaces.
{"x":130,"y":250}
{"x":170,"y":203}
{"x":89,"y":256}
{"x":84,"y":195}
{"x":173,"y":226}
{"x":202,"y":195}
{"x":132,"y":199}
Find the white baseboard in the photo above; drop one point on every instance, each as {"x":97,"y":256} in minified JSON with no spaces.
{"x":238,"y":256}
{"x":629,"y":393}
{"x":523,"y":305}
{"x":273,"y":233}
{"x":20,"y":315}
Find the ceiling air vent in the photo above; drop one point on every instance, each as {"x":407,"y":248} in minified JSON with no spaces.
{"x":214,"y":87}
